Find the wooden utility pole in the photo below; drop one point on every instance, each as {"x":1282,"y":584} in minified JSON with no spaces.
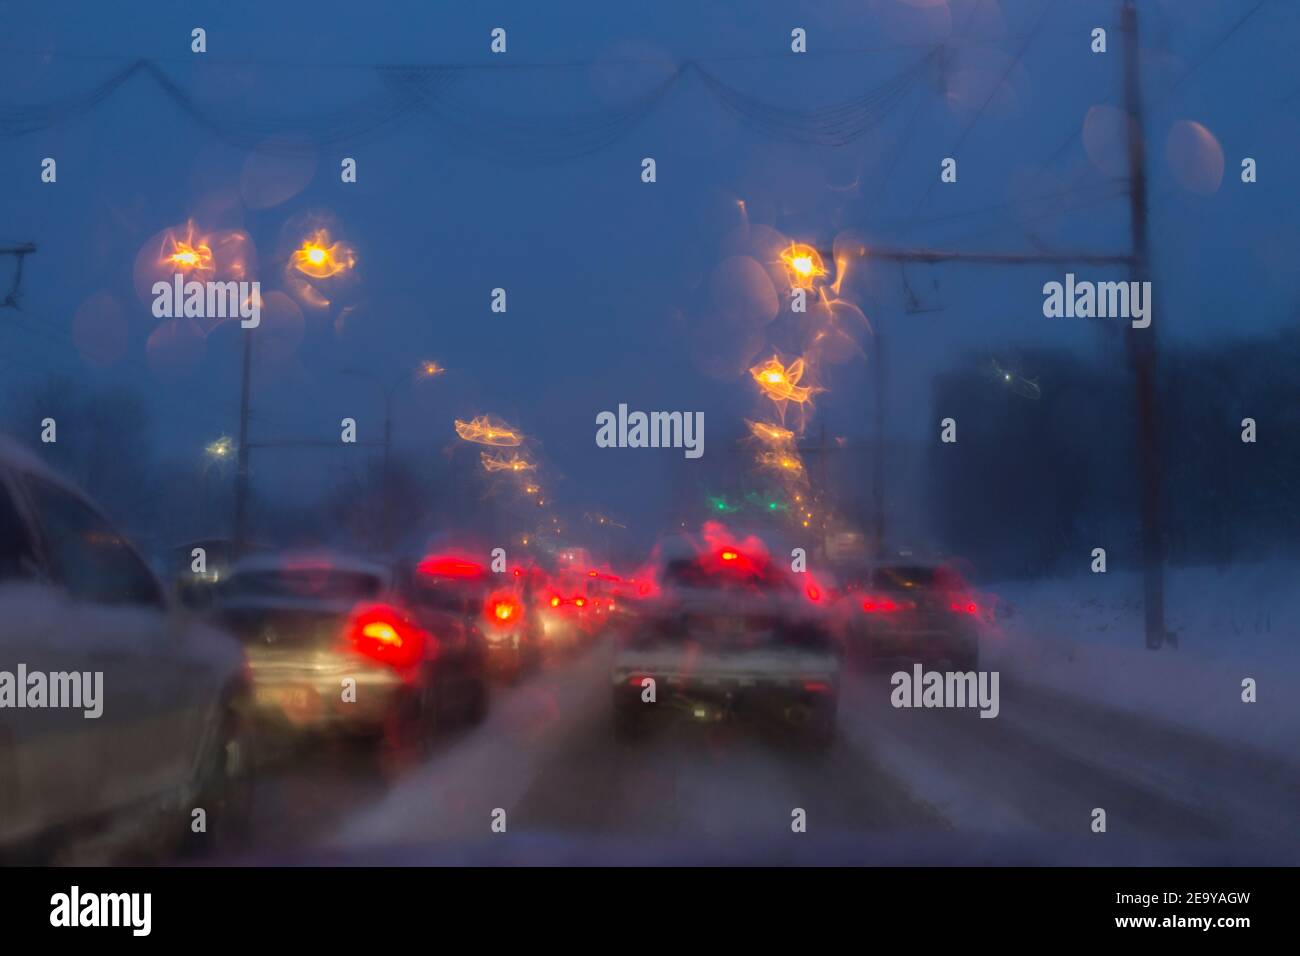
{"x":878,"y":459}
{"x":239,"y":531}
{"x":1141,"y":345}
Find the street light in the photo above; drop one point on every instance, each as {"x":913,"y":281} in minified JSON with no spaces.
{"x":219,"y":449}
{"x":320,"y":258}
{"x":804,"y":265}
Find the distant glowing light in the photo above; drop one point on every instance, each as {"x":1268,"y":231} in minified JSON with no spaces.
{"x":779,"y":461}
{"x":485,"y":430}
{"x":765,"y":431}
{"x":780,"y":382}
{"x":219,"y":449}
{"x":189,"y":253}
{"x":512,"y":463}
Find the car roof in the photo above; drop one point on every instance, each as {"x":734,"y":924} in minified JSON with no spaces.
{"x":314,"y":560}
{"x":17,"y":457}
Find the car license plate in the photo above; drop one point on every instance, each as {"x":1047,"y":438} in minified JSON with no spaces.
{"x":296,"y":702}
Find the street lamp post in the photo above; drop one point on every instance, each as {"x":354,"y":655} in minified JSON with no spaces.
{"x":387,"y":387}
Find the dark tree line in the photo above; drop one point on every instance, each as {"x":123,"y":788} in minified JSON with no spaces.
{"x":1036,"y":481}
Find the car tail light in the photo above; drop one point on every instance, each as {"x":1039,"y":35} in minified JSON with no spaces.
{"x":380,"y":633}
{"x":555,"y":601}
{"x":817,"y":687}
{"x":580,"y":602}
{"x":964,"y":607}
{"x":448,"y":566}
{"x":504,"y":611}
{"x":880,"y":605}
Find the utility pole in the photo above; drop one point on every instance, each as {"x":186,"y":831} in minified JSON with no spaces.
{"x":878,"y":459}
{"x":1141,"y":344}
{"x":388,"y":480}
{"x":387,"y":385}
{"x":239,"y":533}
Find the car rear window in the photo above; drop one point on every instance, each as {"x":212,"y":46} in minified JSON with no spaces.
{"x":732,"y":632}
{"x":457,"y":595}
{"x":325,"y":583}
{"x":915,"y":577}
{"x":749,"y":576}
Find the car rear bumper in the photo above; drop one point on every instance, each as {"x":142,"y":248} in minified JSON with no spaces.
{"x":928,"y":644}
{"x":505,"y":658}
{"x":802,"y":702}
{"x":356,"y":700}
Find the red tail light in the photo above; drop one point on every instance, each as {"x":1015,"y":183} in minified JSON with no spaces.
{"x":814,"y":593}
{"x":580,"y":602}
{"x":504,"y":611}
{"x":380,"y":633}
{"x":816,"y":687}
{"x":880,"y":605}
{"x":964,"y":607}
{"x":555,"y":602}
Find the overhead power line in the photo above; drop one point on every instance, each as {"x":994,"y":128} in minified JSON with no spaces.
{"x":407,"y":93}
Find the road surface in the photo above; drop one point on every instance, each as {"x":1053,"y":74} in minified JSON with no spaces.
{"x":547,"y":762}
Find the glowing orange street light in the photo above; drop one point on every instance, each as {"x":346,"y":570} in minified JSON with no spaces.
{"x":770,"y":434}
{"x":803,"y":264}
{"x":781,"y":383}
{"x":781,"y":462}
{"x":486,"y":430}
{"x":513,"y":463}
{"x":188,"y":254}
{"x":320,"y":258}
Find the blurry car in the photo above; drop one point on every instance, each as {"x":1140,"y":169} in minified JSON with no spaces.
{"x":166,"y":729}
{"x":459,"y":595}
{"x":193,"y":587}
{"x":567,"y":618}
{"x":729,"y":635}
{"x":912,"y":612}
{"x":333,"y":647}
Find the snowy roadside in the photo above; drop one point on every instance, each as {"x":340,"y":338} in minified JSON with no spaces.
{"x":1083,"y":637}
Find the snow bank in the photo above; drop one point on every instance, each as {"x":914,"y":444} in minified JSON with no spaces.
{"x":1083,"y":636}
